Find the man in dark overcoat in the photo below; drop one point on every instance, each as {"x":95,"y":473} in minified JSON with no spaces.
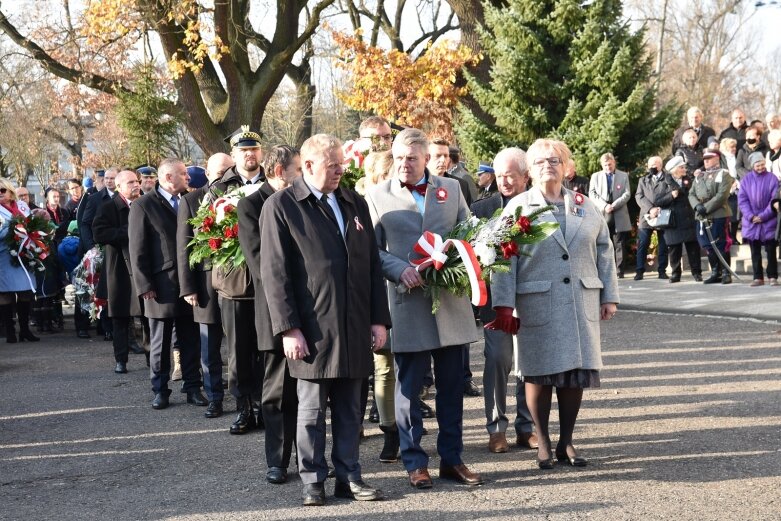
{"x":649,"y":188}
{"x":321,"y":274}
{"x":282,"y":165}
{"x":110,"y":228}
{"x":195,"y":287}
{"x":152,"y":228}
{"x":245,"y":372}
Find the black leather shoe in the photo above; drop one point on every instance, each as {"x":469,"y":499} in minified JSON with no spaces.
{"x":108,"y":337}
{"x":545,"y":464}
{"x":374,"y":414}
{"x":276,"y":475}
{"x":214,"y":410}
{"x":28,"y":336}
{"x":675,"y":278}
{"x":574,"y":461}
{"x":160,"y":401}
{"x":620,"y":274}
{"x":245,"y":421}
{"x":120,"y":368}
{"x":663,"y":275}
{"x":136,"y":349}
{"x":426,"y":411}
{"x":197,"y":398}
{"x":639,"y":275}
{"x":357,"y":490}
{"x":470,"y":389}
{"x":82,"y":333}
{"x":697,"y":277}
{"x":314,"y":495}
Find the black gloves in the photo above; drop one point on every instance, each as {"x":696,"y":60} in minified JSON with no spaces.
{"x":700,"y":209}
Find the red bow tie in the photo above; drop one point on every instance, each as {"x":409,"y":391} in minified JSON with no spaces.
{"x":421,"y":189}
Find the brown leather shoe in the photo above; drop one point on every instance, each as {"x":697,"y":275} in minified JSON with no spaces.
{"x":460,"y":474}
{"x":497,"y":443}
{"x":420,"y":478}
{"x":527,"y":440}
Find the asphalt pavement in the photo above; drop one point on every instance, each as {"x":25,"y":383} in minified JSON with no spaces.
{"x":686,"y":426}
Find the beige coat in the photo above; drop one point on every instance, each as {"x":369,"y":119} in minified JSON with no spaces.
{"x":621,"y":194}
{"x":398,"y":225}
{"x":557,"y":290}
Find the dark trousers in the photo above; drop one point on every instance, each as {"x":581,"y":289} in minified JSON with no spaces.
{"x":449,"y":380}
{"x":718,"y":231}
{"x":211,"y":360}
{"x":280,"y":408}
{"x":643,"y":241}
{"x":313,"y":395}
{"x":80,"y":318}
{"x":245,"y":368}
{"x":160,"y":341}
{"x":620,"y":244}
{"x":772,"y":260}
{"x":675,"y":251}
{"x":122,"y":329}
{"x":467,"y":369}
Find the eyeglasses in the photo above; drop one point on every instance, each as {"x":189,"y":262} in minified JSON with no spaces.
{"x":379,"y":137}
{"x":552,"y":161}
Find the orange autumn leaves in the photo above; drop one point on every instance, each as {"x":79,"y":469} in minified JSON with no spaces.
{"x":419,"y":92}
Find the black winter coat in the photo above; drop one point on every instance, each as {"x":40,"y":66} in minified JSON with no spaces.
{"x":684,"y":229}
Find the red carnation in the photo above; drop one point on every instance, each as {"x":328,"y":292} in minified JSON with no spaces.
{"x":524,"y":224}
{"x":510,"y":249}
{"x":215,"y":243}
{"x":228,"y":208}
{"x":208,"y":221}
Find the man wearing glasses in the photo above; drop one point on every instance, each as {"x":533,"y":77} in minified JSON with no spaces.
{"x":75,"y":192}
{"x":23,"y":194}
{"x":375,"y":134}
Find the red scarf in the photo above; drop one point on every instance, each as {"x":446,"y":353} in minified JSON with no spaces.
{"x":14,"y":209}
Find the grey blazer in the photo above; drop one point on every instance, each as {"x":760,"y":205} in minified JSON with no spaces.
{"x":557,"y":290}
{"x":621,"y":194}
{"x":398,"y":225}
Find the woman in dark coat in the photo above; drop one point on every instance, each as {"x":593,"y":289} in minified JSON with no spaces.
{"x":682,"y":233}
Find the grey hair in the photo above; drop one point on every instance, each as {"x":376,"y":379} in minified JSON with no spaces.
{"x":514,"y":154}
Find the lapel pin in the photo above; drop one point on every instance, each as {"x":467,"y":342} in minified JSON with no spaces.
{"x":441,"y":195}
{"x":358,"y":225}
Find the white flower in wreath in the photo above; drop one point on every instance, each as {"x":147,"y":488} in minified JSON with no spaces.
{"x":485,"y":253}
{"x":220,"y":205}
{"x":249,"y":189}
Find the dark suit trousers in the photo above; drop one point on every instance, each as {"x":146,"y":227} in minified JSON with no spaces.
{"x":80,"y":319}
{"x":345,"y":402}
{"x":122,"y":330}
{"x":245,"y":369}
{"x":675,"y":251}
{"x":280,"y":408}
{"x":449,"y":380}
{"x":620,"y":243}
{"x":160,"y":340}
{"x":644,"y":241}
{"x":211,"y":361}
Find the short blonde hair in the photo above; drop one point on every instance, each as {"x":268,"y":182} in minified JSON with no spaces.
{"x":4,"y":183}
{"x":377,"y":166}
{"x":727,"y":143}
{"x":537,"y":150}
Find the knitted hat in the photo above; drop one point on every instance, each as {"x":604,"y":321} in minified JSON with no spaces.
{"x":754,"y":157}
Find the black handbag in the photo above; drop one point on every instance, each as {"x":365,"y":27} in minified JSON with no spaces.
{"x":663,"y":220}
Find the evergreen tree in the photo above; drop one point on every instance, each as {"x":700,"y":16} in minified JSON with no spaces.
{"x":569,"y":72}
{"x":142,"y":115}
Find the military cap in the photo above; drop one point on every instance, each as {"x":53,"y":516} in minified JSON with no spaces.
{"x":484,"y":168}
{"x":146,"y":171}
{"x":244,"y":138}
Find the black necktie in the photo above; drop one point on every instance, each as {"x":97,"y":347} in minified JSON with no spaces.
{"x":329,"y":210}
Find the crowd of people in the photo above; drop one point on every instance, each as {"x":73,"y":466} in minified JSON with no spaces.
{"x":328,"y":309}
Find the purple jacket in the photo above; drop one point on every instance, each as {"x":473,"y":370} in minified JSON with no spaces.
{"x":756,"y":193}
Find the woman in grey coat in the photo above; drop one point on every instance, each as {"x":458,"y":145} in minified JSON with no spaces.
{"x":561,"y":291}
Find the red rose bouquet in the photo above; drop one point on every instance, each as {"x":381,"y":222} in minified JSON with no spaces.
{"x":216,"y":229}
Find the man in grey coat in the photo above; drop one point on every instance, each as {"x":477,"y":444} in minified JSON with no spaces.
{"x":403,"y":208}
{"x":609,"y":190}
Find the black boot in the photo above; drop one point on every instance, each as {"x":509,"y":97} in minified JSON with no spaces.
{"x":245,"y":421}
{"x":390,"y":449}
{"x":726,"y":278}
{"x":45,"y":316}
{"x":715,"y":266}
{"x":374,"y":414}
{"x":7,"y":312}
{"x":23,"y":312}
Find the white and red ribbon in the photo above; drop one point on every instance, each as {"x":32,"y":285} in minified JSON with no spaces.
{"x":434,"y":253}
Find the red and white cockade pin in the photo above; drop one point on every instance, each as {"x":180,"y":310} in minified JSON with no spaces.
{"x":618,"y":187}
{"x":441,"y":194}
{"x":579,"y":198}
{"x":358,"y":225}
